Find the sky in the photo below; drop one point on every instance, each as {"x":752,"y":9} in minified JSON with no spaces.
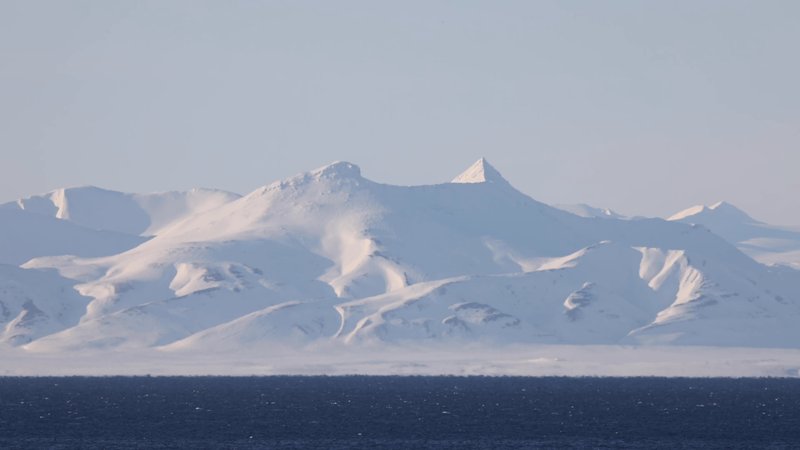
{"x":643,"y":107}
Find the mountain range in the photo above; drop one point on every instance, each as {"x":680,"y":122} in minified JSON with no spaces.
{"x":330,"y":256}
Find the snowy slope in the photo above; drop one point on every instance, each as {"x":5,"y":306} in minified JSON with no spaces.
{"x":330,"y":256}
{"x":137,"y":214}
{"x":766,"y":243}
{"x":25,"y":235}
{"x":34,"y":303}
{"x":605,"y":294}
{"x":328,"y":234}
{"x":584,"y":210}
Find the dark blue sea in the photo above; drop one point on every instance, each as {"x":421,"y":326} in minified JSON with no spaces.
{"x":398,"y":412}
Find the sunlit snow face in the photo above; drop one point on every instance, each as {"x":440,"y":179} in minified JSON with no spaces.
{"x":330,"y":259}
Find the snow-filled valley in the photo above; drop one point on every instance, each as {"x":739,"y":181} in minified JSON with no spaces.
{"x":330,"y":263}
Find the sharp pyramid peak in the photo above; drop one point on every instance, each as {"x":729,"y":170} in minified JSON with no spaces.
{"x":480,"y":172}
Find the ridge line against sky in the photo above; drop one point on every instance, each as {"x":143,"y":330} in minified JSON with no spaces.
{"x":644,"y":108}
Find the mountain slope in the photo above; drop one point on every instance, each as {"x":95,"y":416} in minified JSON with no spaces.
{"x":584,"y":210}
{"x":768,"y":244}
{"x":24,"y":235}
{"x":136,"y":214}
{"x":330,"y":255}
{"x":35,"y":303}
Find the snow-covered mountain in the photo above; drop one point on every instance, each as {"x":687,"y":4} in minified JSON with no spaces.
{"x":137,"y":214}
{"x":330,"y":256}
{"x":584,"y":210}
{"x":89,"y":221}
{"x":766,"y":243}
{"x":25,"y":235}
{"x":34,"y":303}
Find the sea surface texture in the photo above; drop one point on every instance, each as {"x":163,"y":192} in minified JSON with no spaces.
{"x":398,"y":412}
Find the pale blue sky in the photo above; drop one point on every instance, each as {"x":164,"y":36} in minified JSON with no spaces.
{"x":644,"y":107}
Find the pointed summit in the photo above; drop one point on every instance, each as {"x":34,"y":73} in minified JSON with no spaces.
{"x":480,"y":172}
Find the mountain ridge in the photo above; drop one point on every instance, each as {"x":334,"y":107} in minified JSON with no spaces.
{"x":766,"y":243}
{"x":330,"y":256}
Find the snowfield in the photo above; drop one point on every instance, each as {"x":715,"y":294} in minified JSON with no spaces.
{"x":329,"y":272}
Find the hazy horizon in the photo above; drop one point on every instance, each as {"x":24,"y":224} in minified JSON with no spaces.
{"x":645,"y":108}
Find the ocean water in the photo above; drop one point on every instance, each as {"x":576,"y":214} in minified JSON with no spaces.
{"x":398,"y":412}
